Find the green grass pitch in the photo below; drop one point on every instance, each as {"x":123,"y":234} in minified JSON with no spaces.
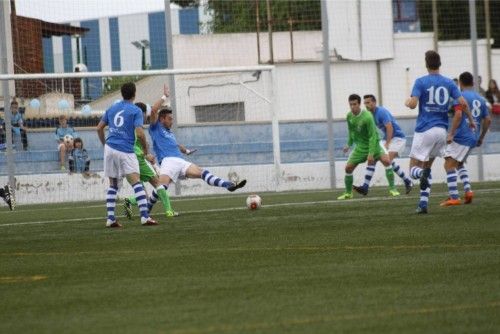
{"x":304,"y":263}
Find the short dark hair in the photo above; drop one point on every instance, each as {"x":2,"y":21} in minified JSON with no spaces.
{"x":14,"y":102}
{"x":355,"y":97}
{"x":128,"y":90}
{"x":164,"y":112}
{"x":78,"y":140}
{"x":370,"y":96}
{"x":432,"y":60}
{"x":466,"y":78}
{"x":142,"y":106}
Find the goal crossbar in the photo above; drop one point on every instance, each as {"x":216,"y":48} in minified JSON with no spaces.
{"x":6,"y":77}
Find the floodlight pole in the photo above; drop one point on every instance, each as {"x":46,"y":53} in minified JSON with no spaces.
{"x":328,"y":92}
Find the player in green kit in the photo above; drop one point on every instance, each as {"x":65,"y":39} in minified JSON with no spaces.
{"x":148,"y":174}
{"x":364,"y":135}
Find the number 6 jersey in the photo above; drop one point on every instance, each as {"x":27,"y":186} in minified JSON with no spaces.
{"x":122,"y":118}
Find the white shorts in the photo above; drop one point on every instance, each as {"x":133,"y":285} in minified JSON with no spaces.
{"x":397,"y":145}
{"x":428,"y":144}
{"x":118,"y":164}
{"x":457,"y":151}
{"x":174,"y":168}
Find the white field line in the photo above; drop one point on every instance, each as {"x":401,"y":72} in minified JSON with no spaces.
{"x":70,"y":205}
{"x":334,"y":201}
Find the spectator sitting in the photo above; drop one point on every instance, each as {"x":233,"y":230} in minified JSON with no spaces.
{"x":63,"y":147}
{"x":79,"y":161}
{"x":18,"y":128}
{"x":493,"y":96}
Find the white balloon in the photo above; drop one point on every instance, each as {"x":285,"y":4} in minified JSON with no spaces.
{"x":35,"y":104}
{"x":63,"y":104}
{"x":86,"y":110}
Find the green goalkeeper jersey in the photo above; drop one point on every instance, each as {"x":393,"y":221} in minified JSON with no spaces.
{"x":138,"y":148}
{"x":363,"y":132}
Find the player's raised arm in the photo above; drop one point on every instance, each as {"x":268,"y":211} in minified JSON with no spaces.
{"x":158,"y":104}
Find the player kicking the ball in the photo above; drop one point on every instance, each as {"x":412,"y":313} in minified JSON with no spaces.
{"x":169,"y":154}
{"x":148,"y":174}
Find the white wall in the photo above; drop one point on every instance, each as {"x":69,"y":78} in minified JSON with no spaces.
{"x":362,"y":29}
{"x":54,"y":188}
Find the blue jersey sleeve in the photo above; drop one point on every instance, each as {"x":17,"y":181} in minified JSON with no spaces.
{"x":138,"y":119}
{"x":384,"y":117}
{"x":104,"y":117}
{"x":484,"y":109}
{"x":417,"y":88}
{"x":455,"y":92}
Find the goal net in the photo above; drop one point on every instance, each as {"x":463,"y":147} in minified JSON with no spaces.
{"x":225,"y":114}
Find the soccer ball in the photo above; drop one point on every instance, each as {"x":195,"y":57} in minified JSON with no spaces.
{"x":68,"y":139}
{"x":254,"y":202}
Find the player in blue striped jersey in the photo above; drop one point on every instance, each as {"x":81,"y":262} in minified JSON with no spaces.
{"x":479,"y":110}
{"x":394,"y":142}
{"x":169,"y":154}
{"x":431,"y":93}
{"x":124,"y":121}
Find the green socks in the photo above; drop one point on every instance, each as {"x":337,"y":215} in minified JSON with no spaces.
{"x":389,"y":173}
{"x":348,"y":180}
{"x":165,"y":199}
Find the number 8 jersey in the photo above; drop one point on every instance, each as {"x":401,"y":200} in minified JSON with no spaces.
{"x":122,"y":118}
{"x":433,"y":92}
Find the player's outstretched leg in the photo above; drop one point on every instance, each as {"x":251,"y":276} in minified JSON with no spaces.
{"x":464,"y":177}
{"x":399,"y":171}
{"x":142,"y":202}
{"x":218,"y":182}
{"x":110,"y":207}
{"x":8,"y":196}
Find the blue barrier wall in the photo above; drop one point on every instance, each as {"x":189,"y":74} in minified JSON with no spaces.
{"x":219,"y":145}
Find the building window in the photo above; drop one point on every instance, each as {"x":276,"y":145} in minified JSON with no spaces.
{"x":405,"y":15}
{"x":224,"y":112}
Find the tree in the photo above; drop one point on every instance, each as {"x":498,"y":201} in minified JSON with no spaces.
{"x":453,"y":19}
{"x":240,"y":15}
